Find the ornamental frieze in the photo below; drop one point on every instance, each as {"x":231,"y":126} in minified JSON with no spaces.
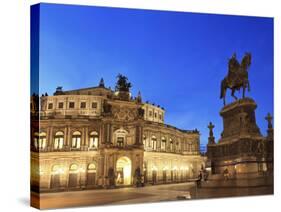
{"x":124,"y":114}
{"x":242,"y":147}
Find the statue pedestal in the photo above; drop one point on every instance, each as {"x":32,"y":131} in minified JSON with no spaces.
{"x":239,"y":120}
{"x":123,"y":95}
{"x":241,"y":149}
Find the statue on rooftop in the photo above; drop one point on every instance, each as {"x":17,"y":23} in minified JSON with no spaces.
{"x":101,"y":84}
{"x":122,"y":83}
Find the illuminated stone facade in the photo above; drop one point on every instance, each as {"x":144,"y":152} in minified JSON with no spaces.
{"x":100,"y":138}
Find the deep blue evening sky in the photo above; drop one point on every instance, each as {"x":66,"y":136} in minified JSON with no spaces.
{"x":176,"y":60}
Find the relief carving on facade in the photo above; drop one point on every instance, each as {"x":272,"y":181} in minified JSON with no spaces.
{"x":124,"y":114}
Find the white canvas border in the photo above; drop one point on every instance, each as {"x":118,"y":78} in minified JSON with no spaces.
{"x":14,"y":107}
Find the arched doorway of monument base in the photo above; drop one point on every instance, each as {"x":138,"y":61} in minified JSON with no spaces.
{"x":124,"y":171}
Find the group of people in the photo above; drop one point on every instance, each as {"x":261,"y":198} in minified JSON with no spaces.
{"x":202,"y":176}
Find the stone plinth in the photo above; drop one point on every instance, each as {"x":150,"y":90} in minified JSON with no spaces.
{"x":239,"y":120}
{"x":241,"y":148}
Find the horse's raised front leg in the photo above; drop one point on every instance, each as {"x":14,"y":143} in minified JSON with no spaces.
{"x":232,"y":93}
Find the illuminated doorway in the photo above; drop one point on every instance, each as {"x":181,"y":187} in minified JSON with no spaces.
{"x":91,"y":174}
{"x":55,"y":177}
{"x":164,"y":175}
{"x":123,"y":171}
{"x":72,"y":179}
{"x":154,"y":176}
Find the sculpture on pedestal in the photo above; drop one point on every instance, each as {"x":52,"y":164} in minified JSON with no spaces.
{"x":211,"y":139}
{"x":123,"y":87}
{"x":241,"y":140}
{"x":268,"y":118}
{"x":237,"y":76}
{"x":122,"y":83}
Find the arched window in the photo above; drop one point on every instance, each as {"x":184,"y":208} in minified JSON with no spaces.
{"x":177,"y":146}
{"x":185,"y":145}
{"x":94,"y":140}
{"x":72,"y":177}
{"x":73,"y":168}
{"x":91,"y":174}
{"x":154,"y":143}
{"x":92,"y":167}
{"x":171,"y":145}
{"x":190,"y":147}
{"x":195,"y":147}
{"x":144,"y":141}
{"x":42,"y":140}
{"x":163,"y":143}
{"x":120,"y":137}
{"x":57,"y":169}
{"x":36,"y":140}
{"x":120,"y":141}
{"x":58,"y":144}
{"x":76,"y":140}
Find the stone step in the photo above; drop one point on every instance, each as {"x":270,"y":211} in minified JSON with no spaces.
{"x":236,"y":176}
{"x":250,"y":182}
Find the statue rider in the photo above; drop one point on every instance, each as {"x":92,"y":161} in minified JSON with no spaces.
{"x":233,"y":64}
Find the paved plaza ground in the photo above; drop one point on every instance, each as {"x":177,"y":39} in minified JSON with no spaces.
{"x":148,"y":194}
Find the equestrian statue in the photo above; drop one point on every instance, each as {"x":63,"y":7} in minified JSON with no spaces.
{"x":237,"y":76}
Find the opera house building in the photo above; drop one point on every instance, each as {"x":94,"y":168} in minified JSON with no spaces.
{"x":97,"y":137}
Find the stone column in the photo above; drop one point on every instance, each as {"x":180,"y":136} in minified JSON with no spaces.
{"x":83,"y":173}
{"x":107,"y":133}
{"x":65,"y":137}
{"x":86,"y":144}
{"x":68,"y":137}
{"x":83,"y":138}
{"x":110,"y":133}
{"x":50,"y":137}
{"x":137,"y":135}
{"x":101,"y":171}
{"x":141,"y":135}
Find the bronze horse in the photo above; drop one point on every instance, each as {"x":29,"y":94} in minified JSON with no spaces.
{"x":237,"y":76}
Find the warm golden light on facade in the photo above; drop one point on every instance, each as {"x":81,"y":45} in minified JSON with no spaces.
{"x":124,"y":168}
{"x":96,"y":138}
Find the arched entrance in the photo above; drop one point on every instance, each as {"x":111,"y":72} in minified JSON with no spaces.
{"x":164,"y":175}
{"x":154,"y":176}
{"x":91,"y":174}
{"x":123,"y":171}
{"x":55,"y":177}
{"x":72,"y":179}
